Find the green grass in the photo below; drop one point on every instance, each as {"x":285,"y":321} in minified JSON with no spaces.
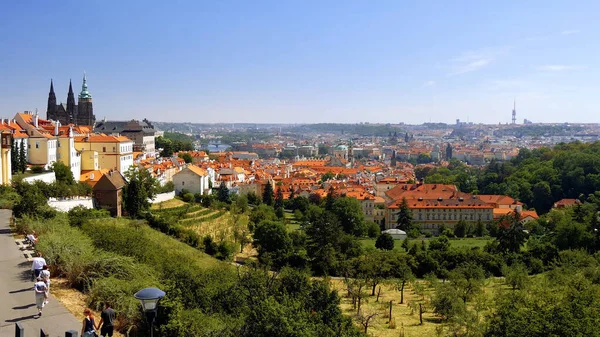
{"x":456,"y":243}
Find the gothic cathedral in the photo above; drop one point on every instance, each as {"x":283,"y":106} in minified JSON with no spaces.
{"x":78,"y":114}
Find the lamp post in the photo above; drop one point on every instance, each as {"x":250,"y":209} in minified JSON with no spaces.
{"x":149,"y":298}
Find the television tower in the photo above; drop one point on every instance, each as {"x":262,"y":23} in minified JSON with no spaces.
{"x":514,"y":113}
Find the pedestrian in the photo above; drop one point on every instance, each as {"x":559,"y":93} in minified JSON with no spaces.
{"x":107,"y":320}
{"x":45,"y":275}
{"x":88,"y":328}
{"x":40,"y":295}
{"x":31,"y":237}
{"x":37,"y":265}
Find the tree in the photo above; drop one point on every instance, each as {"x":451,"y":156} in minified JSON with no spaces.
{"x":403,"y":274}
{"x":460,"y":229}
{"x":63,"y":173}
{"x":272,"y":242}
{"x":467,"y":279}
{"x":404,"y":221}
{"x":446,"y":301}
{"x":327,"y":176}
{"x":278,"y":203}
{"x":480,"y":229}
{"x":384,"y":242}
{"x":186,"y":157}
{"x":14,"y":157}
{"x":223,"y":193}
{"x":268,"y":194}
{"x":350,"y":214}
{"x":22,"y":157}
{"x":140,"y":187}
{"x":511,"y":238}
{"x":515,"y":275}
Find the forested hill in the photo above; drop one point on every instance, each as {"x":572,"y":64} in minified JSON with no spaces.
{"x":537,"y":178}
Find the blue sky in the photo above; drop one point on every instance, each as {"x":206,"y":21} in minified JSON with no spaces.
{"x":306,"y":61}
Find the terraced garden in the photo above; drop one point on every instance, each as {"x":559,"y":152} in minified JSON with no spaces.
{"x":220,"y":224}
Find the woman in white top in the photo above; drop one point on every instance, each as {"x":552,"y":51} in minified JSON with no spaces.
{"x":45,"y":275}
{"x":40,"y":294}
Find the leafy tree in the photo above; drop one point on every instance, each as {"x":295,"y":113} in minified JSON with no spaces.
{"x":350,"y":215}
{"x":373,"y":229}
{"x":384,"y":242}
{"x":510,"y":238}
{"x":480,"y":229}
{"x":404,"y":221}
{"x":516,"y":276}
{"x":403,"y":274}
{"x":261,"y":213}
{"x":140,"y":187}
{"x":446,"y":301}
{"x":268,"y":194}
{"x":327,"y":176}
{"x":272,"y":242}
{"x":468,"y":280}
{"x":186,"y":157}
{"x":63,"y":173}
{"x":241,"y":203}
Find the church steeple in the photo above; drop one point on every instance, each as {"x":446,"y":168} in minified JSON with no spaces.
{"x":51,"y":102}
{"x":71,"y":102}
{"x":84,"y":90}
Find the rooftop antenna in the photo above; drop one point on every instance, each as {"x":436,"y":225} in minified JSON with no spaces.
{"x":514,"y":112}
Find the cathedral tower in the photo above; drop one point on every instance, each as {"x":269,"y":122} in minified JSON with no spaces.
{"x":85,"y":110}
{"x":51,"y":111}
{"x":71,"y":103}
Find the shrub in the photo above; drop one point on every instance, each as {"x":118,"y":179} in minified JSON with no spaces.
{"x":385,"y":242}
{"x":373,"y":229}
{"x":210,"y":247}
{"x":187,"y":197}
{"x":37,"y":169}
{"x":224,"y":250}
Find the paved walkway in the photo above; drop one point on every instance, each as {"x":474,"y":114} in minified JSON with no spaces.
{"x":17,"y":298}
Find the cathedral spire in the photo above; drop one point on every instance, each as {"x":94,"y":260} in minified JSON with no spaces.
{"x":84,"y":90}
{"x":70,"y":87}
{"x":50,"y":111}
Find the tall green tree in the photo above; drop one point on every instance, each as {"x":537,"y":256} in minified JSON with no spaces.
{"x":22,"y":157}
{"x":404,"y":221}
{"x":223,"y":193}
{"x":268,"y":194}
{"x":350,"y":214}
{"x":140,"y":187}
{"x":14,"y":157}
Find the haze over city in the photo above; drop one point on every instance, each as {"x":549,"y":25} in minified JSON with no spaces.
{"x":305,"y":61}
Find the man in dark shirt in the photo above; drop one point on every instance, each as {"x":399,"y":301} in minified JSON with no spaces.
{"x":107,"y":319}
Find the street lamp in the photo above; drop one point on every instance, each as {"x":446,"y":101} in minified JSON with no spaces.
{"x":149,"y":298}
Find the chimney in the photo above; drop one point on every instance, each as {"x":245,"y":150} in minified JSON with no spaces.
{"x":35,"y":121}
{"x":56,"y":125}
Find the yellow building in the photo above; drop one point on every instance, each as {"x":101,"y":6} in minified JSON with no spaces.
{"x":5,"y":163}
{"x":113,"y":152}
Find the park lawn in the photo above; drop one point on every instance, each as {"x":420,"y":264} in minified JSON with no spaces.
{"x":457,"y":243}
{"x":168,"y":204}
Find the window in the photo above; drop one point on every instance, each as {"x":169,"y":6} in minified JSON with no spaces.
{"x":37,"y":145}
{"x":114,"y":149}
{"x":104,"y":149}
{"x":183,"y":183}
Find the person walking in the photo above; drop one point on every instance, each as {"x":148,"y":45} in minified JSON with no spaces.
{"x":88,"y":328}
{"x":45,"y":275}
{"x":107,"y":320}
{"x":37,"y":265}
{"x":40,"y":294}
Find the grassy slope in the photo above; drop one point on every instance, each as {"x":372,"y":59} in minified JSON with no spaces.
{"x":457,"y":243}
